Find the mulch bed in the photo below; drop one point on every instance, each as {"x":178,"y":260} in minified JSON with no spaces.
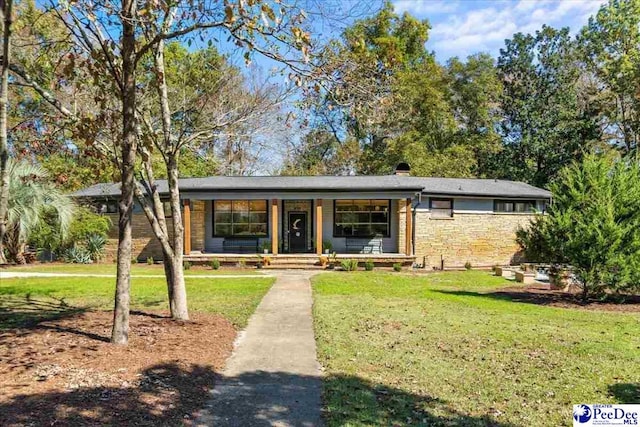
{"x":541,"y":294}
{"x":65,"y":371}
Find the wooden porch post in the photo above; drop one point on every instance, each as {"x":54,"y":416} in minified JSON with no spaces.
{"x":186,"y":219}
{"x":409,"y":229}
{"x":274,"y":226}
{"x":319,"y":226}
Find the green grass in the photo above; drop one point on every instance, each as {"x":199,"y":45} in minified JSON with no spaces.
{"x":26,"y":301}
{"x":136,"y":269}
{"x":440,"y":349}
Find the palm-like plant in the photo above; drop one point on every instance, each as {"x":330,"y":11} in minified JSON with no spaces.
{"x":31,"y":195}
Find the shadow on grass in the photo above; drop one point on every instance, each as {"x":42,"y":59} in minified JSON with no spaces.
{"x":544,"y":297}
{"x":166,"y":395}
{"x":625,"y":392}
{"x":27,"y":312}
{"x":169,"y":395}
{"x":355,"y":401}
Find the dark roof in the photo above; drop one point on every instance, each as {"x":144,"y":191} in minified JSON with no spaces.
{"x":440,"y":186}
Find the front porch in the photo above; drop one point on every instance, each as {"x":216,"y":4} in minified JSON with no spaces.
{"x":298,"y":230}
{"x":298,"y":260}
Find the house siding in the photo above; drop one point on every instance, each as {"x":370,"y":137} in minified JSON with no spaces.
{"x":474,"y":234}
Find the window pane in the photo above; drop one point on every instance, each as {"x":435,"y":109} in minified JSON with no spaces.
{"x":258,"y":217}
{"x":240,"y":205}
{"x":222,"y":205}
{"x":362,"y":205}
{"x":501,"y":207}
{"x":258,"y":229}
{"x":258,"y":205}
{"x":344,"y":205}
{"x":222,"y":229}
{"x":241,"y":217}
{"x":379,"y":217}
{"x":223,"y":217}
{"x":441,"y":204}
{"x":382,"y":229}
{"x":240,"y":229}
{"x":362,"y":230}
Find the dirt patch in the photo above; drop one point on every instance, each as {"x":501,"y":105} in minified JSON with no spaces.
{"x":65,"y":372}
{"x":540,"y":294}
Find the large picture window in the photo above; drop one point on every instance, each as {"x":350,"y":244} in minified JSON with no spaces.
{"x":514,"y":206}
{"x":240,"y":218}
{"x":361,"y":218}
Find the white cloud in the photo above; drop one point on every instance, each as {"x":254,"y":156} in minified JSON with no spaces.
{"x":463,"y":28}
{"x":424,"y":8}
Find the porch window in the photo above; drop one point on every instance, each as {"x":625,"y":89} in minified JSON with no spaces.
{"x":240,"y":218}
{"x":514,"y":206}
{"x":361,"y":218}
{"x":441,"y":208}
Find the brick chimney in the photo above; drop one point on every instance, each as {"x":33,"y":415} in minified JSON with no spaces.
{"x":403,"y":169}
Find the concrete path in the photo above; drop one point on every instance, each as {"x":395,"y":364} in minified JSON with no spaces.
{"x":273,"y":376}
{"x":13,"y":274}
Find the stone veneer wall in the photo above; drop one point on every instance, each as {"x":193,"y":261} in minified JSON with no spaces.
{"x":144,"y":242}
{"x":483,"y":239}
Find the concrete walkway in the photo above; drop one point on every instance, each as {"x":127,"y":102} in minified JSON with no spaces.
{"x":273,"y":376}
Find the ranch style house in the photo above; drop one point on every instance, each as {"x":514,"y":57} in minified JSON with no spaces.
{"x":433,"y":222}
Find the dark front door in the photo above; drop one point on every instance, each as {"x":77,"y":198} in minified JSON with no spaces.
{"x":297,"y":232}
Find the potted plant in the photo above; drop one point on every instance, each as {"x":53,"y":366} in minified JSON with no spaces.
{"x":327,"y":246}
{"x":266,"y":246}
{"x":333,"y":260}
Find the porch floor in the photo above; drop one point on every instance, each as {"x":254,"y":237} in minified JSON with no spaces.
{"x":297,"y":259}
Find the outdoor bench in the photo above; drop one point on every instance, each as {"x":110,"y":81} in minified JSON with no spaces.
{"x":359,"y":245}
{"x":242,"y":245}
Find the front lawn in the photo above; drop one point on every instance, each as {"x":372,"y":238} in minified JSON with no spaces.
{"x":29,"y":299}
{"x":441,"y":349}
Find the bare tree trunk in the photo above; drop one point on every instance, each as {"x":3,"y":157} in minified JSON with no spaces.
{"x":120,"y":332}
{"x":173,"y":264}
{"x":7,"y":6}
{"x":178,"y":298}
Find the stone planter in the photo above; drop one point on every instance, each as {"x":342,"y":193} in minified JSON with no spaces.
{"x":497,"y":271}
{"x":525,"y":277}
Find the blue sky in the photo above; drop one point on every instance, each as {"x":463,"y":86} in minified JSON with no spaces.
{"x":463,"y":27}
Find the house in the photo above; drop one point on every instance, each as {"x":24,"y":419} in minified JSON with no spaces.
{"x":433,"y":222}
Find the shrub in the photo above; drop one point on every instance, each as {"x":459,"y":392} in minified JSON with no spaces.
{"x":214,"y":264}
{"x":368,"y":265}
{"x":467,"y":265}
{"x":134,"y":260}
{"x":592,"y":225}
{"x":349,"y":264}
{"x":77,"y":255}
{"x":150,"y":260}
{"x":87,"y":223}
{"x":397,"y":267}
{"x":186,"y":265}
{"x":95,"y":246}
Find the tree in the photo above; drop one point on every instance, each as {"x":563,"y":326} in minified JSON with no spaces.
{"x":7,"y":11}
{"x":32,"y":196}
{"x":593,"y":225}
{"x":611,"y":43}
{"x":547,"y":123}
{"x":197,"y":98}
